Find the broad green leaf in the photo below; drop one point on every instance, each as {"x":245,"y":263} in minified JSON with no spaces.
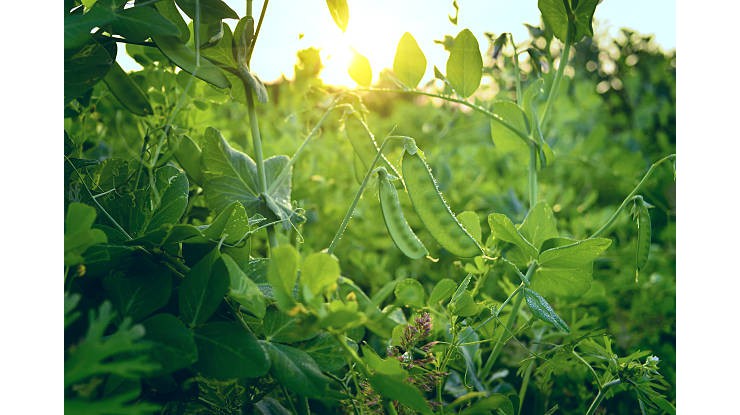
{"x":243,"y":289}
{"x":442,"y":291}
{"x":126,"y":91}
{"x":567,"y":270}
{"x":464,"y":305}
{"x":465,"y":64}
{"x":391,"y":381}
{"x":296,"y":370}
{"x":360,"y":71}
{"x":231,"y":175}
{"x":505,"y":140}
{"x":319,"y":271}
{"x":84,"y":67}
{"x":410,"y":293}
{"x":188,"y":155}
{"x":503,"y":228}
{"x":282,"y":328}
{"x":409,"y":63}
{"x":184,"y":57}
{"x":382,"y":294}
{"x":168,"y":203}
{"x":221,"y":52}
{"x":539,"y":225}
{"x":542,"y":310}
{"x":210,"y":10}
{"x":327,"y":352}
{"x":226,"y":350}
{"x":173,"y":346}
{"x":203,"y":289}
{"x":140,"y":23}
{"x":231,"y":225}
{"x":170,"y":12}
{"x":78,"y":234}
{"x":584,"y":14}
{"x":139,"y":294}
{"x":77,"y":27}
{"x":282,"y":273}
{"x":555,"y":16}
{"x":342,"y":316}
{"x":471,"y":223}
{"x":496,"y":403}
{"x":339,"y":12}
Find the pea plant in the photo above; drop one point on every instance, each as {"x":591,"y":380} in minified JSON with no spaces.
{"x":185,"y":249}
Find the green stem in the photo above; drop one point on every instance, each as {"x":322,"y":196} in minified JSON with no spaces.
{"x":351,"y":210}
{"x":558,"y":75}
{"x":532,"y":175}
{"x":631,"y":195}
{"x":509,"y":325}
{"x":259,"y":26}
{"x":259,"y":160}
{"x":470,"y":105}
{"x":516,"y":66}
{"x":600,"y":396}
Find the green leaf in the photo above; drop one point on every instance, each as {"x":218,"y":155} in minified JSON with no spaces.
{"x":555,"y":16}
{"x":77,"y":27}
{"x":243,"y":289}
{"x":282,"y":328}
{"x":503,"y":228}
{"x":409,"y":64}
{"x":465,"y":64}
{"x":184,"y":57}
{"x":188,"y":155}
{"x":326,"y":351}
{"x":360,"y":71}
{"x":172,"y":188}
{"x":221,"y":52}
{"x":169,"y":11}
{"x":584,"y":15}
{"x":539,"y":225}
{"x":78,"y":234}
{"x":410,"y":293}
{"x":140,"y":23}
{"x":342,"y":316}
{"x":84,"y":67}
{"x":231,"y":175}
{"x":542,"y":310}
{"x":442,"y":291}
{"x":126,"y":91}
{"x":505,"y":140}
{"x":464,"y":305}
{"x":139,"y":294}
{"x":210,"y":10}
{"x":173,"y":346}
{"x":231,"y":225}
{"x":339,"y":12}
{"x":296,"y":370}
{"x":226,"y":350}
{"x":471,"y":223}
{"x":282,"y":273}
{"x":391,"y":381}
{"x":496,"y":403}
{"x":567,"y":270}
{"x":203,"y":289}
{"x":319,"y":271}
{"x":641,"y":215}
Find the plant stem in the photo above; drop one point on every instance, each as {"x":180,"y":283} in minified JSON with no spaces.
{"x":600,"y":396}
{"x":259,"y":26}
{"x":259,"y":160}
{"x":509,"y":324}
{"x":631,"y":195}
{"x":532,"y":175}
{"x":350,"y":211}
{"x":558,"y":75}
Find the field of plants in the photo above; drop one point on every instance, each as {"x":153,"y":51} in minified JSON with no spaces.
{"x":498,"y":240}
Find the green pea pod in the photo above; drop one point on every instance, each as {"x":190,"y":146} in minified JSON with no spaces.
{"x":243,"y":33}
{"x":401,"y":233}
{"x":126,"y":91}
{"x":185,"y":58}
{"x":642,"y":217}
{"x":188,"y":155}
{"x":431,"y":206}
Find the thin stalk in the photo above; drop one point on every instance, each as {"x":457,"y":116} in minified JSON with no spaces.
{"x":351,"y":210}
{"x":509,"y":324}
{"x":532,"y":175}
{"x":259,"y":160}
{"x":257,"y":31}
{"x":631,"y":195}
{"x":600,"y":396}
{"x":516,"y":66}
{"x":528,"y":372}
{"x":468,"y":104}
{"x":558,"y":75}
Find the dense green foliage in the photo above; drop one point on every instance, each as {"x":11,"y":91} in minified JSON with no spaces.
{"x":211,"y":265}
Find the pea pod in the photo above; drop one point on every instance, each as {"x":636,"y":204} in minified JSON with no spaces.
{"x":431,"y":206}
{"x":395,"y":221}
{"x":126,"y":91}
{"x":642,"y":217}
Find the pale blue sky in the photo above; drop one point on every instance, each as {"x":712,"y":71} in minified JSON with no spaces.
{"x":376,"y":25}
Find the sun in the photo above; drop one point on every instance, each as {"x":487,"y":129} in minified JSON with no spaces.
{"x":370,"y":33}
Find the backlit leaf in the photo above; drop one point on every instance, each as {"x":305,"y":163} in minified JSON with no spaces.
{"x":409,"y":63}
{"x":465,"y":64}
